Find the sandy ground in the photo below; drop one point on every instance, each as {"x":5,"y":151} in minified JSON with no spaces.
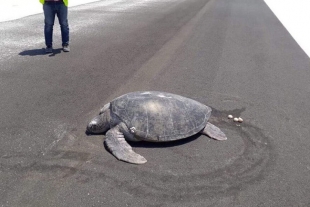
{"x":233,"y":55}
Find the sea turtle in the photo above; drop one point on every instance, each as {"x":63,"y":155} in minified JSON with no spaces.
{"x":150,"y":116}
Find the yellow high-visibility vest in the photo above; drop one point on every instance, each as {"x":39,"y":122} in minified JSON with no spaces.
{"x":65,"y":1}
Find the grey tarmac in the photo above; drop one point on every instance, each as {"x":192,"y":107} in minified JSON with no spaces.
{"x":232,"y":55}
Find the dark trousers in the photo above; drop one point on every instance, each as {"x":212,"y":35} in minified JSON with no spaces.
{"x":51,"y":9}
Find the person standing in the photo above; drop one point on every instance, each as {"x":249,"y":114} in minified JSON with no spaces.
{"x":52,"y":8}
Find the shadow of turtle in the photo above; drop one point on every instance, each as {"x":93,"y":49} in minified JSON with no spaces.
{"x":145,"y":144}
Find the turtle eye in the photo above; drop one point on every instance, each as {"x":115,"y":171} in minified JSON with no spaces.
{"x":93,"y":127}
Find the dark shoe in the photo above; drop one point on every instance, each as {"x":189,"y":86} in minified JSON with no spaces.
{"x":66,"y":48}
{"x":49,"y":49}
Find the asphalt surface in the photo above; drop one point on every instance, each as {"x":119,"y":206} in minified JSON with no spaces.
{"x":233,"y":55}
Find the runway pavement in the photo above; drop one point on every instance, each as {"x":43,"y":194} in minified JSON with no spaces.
{"x":233,"y":55}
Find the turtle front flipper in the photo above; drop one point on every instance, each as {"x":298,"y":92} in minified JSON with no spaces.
{"x":118,"y":146}
{"x":213,"y":132}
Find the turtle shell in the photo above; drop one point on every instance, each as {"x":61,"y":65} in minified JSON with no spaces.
{"x":159,"y":116}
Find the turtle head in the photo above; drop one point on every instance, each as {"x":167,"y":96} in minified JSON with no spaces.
{"x":99,"y":124}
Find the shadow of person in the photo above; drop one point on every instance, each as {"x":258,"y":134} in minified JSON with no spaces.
{"x":36,"y":52}
{"x":55,"y":52}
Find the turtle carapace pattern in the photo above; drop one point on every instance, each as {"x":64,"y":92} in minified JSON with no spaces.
{"x":151,"y":116}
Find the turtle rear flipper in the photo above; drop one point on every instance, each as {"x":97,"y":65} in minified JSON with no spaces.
{"x":118,"y":146}
{"x":213,"y":132}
